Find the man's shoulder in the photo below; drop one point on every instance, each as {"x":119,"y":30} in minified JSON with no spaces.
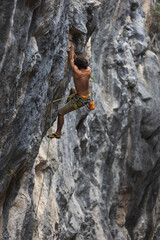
{"x":89,"y":69}
{"x":82,"y":72}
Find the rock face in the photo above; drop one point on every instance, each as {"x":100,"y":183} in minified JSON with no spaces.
{"x":101,"y":180}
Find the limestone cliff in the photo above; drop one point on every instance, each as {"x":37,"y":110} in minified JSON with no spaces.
{"x":101,"y":180}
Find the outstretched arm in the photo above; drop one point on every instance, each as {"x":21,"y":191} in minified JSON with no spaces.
{"x":71,"y":55}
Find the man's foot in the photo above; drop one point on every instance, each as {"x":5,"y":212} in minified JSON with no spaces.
{"x":54,"y":135}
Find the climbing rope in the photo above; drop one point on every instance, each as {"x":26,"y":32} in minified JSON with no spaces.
{"x":46,"y":157}
{"x":59,"y":99}
{"x":36,"y":211}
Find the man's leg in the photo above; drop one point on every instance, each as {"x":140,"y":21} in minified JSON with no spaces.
{"x":64,"y":110}
{"x":60,"y":123}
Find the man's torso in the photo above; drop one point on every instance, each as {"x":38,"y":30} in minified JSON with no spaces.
{"x":81,"y":81}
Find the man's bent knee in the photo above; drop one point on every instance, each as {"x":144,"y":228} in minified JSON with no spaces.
{"x":72,"y":90}
{"x":60,"y":115}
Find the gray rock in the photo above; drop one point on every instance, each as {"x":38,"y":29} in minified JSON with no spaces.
{"x":101,"y":180}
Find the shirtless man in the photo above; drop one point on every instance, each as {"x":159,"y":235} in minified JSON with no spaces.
{"x":80,"y":95}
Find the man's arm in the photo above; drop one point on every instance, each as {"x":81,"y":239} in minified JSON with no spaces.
{"x":71,"y":54}
{"x":71,"y":57}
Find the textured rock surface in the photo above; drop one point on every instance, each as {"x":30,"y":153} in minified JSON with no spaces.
{"x":101,"y":180}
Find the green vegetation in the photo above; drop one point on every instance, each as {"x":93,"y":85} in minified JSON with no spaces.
{"x":11,"y":172}
{"x":155,"y":12}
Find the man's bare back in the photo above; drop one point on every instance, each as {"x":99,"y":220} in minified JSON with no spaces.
{"x":81,"y":81}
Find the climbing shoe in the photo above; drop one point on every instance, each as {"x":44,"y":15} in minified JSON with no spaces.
{"x":54,"y":135}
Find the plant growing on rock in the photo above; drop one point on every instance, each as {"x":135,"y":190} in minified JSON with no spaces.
{"x":155,"y":12}
{"x":154,"y":30}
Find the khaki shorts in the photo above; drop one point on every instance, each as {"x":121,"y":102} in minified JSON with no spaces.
{"x":69,"y":106}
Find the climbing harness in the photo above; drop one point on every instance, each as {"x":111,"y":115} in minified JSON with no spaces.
{"x":83,"y":101}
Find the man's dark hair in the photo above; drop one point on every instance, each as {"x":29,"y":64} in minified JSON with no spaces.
{"x":81,"y":62}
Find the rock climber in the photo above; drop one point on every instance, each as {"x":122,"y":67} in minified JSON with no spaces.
{"x":80,"y":94}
